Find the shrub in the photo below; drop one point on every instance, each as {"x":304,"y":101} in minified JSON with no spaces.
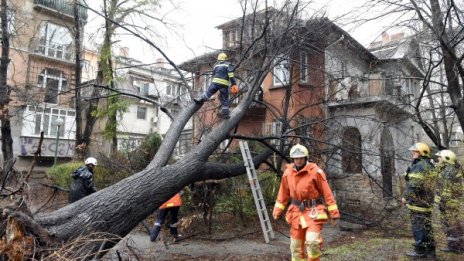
{"x":60,"y":175}
{"x":110,"y":170}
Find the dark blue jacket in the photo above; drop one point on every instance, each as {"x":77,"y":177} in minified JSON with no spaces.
{"x":81,"y":184}
{"x":419,"y":187}
{"x":223,"y":73}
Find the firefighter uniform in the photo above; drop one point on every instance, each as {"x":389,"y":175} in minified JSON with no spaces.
{"x":449,"y":192}
{"x":310,"y":196}
{"x":223,"y":74}
{"x":419,"y":198}
{"x":170,"y":207}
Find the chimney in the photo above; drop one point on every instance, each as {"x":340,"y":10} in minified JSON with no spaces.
{"x":385,"y":38}
{"x":124,"y":52}
{"x":160,"y":63}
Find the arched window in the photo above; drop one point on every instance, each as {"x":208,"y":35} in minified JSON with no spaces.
{"x":351,"y":151}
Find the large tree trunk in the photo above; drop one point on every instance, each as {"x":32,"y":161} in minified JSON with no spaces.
{"x":118,"y":209}
{"x":7,"y":140}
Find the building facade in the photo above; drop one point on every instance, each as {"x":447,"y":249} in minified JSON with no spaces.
{"x":159,"y":88}
{"x":351,"y":108}
{"x":41,"y":77}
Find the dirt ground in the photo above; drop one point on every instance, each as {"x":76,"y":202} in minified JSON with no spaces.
{"x":229,"y":243}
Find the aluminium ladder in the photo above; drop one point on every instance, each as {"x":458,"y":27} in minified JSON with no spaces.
{"x":257,"y":194}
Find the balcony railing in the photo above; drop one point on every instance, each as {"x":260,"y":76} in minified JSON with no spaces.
{"x":351,"y":91}
{"x":62,"y":6}
{"x":60,"y":51}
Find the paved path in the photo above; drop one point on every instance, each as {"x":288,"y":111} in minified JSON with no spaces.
{"x":198,"y":248}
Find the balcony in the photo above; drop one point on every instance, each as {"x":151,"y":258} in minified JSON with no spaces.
{"x":58,"y":51}
{"x":256,"y":109}
{"x":61,"y":7}
{"x":373,"y":90}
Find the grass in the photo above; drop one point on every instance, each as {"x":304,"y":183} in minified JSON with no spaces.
{"x":373,"y":246}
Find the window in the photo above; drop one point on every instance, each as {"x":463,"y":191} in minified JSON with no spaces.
{"x":55,"y":41}
{"x":281,"y":72}
{"x":206,"y":82}
{"x":145,"y":89}
{"x":273,"y":129}
{"x":54,"y":81}
{"x":39,"y":119}
{"x":231,"y":38}
{"x":174,"y":89}
{"x":10,"y":20}
{"x":86,"y":65}
{"x":185,"y":142}
{"x":141,"y":112}
{"x":304,"y":68}
{"x":351,"y":151}
{"x":454,"y":139}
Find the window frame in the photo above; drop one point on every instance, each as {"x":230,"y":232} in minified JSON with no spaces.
{"x":42,"y":118}
{"x":43,"y":79}
{"x":141,"y":109}
{"x":59,"y":50}
{"x":280,"y":75}
{"x":304,"y":68}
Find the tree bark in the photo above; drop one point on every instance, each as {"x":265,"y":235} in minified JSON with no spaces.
{"x":7,"y":140}
{"x":116,"y":210}
{"x":449,"y":62}
{"x":77,"y":72}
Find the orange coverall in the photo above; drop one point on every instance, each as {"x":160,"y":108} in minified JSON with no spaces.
{"x":175,"y":201}
{"x":306,"y":224}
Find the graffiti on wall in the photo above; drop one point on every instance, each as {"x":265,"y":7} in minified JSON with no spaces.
{"x":29,"y":147}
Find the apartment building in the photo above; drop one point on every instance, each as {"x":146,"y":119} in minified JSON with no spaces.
{"x":41,"y":77}
{"x":160,"y":89}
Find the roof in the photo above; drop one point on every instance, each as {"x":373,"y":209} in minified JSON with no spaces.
{"x":327,"y":31}
{"x":393,"y":49}
{"x":399,"y":50}
{"x":320,"y":30}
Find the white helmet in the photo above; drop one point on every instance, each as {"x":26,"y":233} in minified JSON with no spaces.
{"x":91,"y":160}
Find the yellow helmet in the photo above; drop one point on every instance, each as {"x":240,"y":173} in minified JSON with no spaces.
{"x":222,"y":57}
{"x":422,"y":148}
{"x":447,"y":156}
{"x":299,"y":151}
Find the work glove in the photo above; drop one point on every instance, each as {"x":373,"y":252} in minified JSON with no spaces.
{"x":234,"y":89}
{"x":276,"y":214}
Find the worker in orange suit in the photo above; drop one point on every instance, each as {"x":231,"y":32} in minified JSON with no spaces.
{"x":304,"y":185}
{"x":171,"y":208}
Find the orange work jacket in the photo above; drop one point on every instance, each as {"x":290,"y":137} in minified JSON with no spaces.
{"x":175,"y":201}
{"x":308,"y":183}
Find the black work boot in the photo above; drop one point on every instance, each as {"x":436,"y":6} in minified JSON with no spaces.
{"x":178,"y":238}
{"x":154,"y":233}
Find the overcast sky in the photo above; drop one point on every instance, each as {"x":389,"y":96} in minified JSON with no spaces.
{"x":195,"y":21}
